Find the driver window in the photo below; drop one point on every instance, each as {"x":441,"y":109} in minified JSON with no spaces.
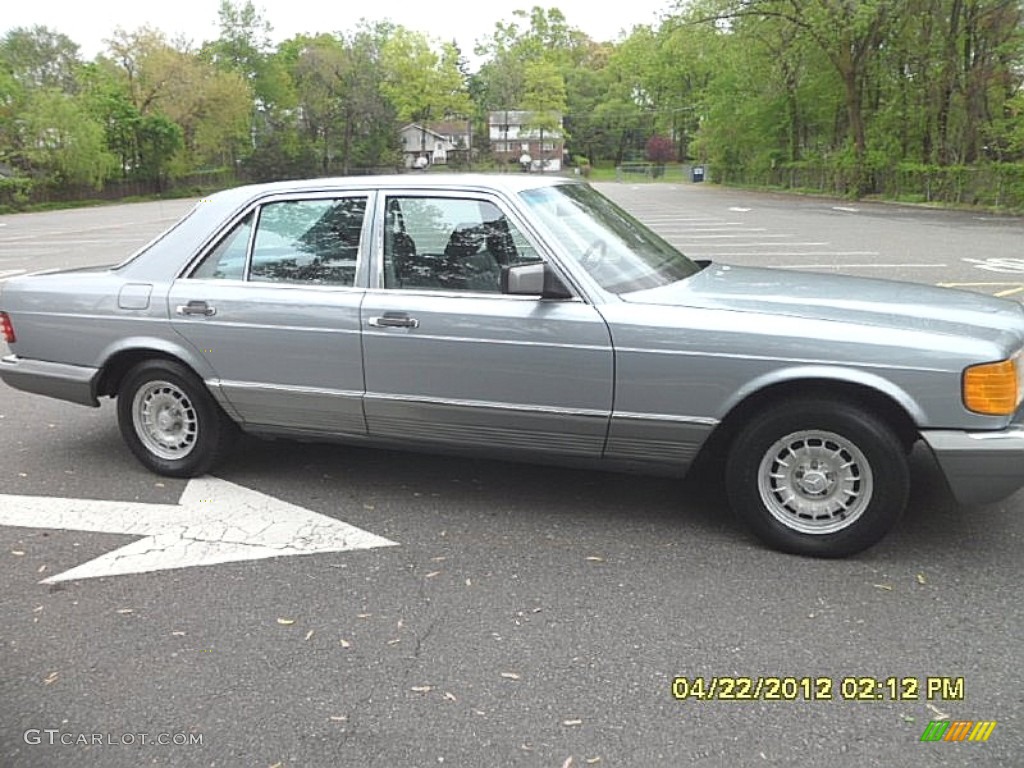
{"x":449,"y":244}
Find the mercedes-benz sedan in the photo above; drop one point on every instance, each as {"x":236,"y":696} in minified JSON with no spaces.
{"x":528,"y":317}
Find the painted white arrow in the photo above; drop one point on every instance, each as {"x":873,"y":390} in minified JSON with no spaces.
{"x":214,"y":522}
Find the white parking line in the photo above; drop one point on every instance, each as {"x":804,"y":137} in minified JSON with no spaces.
{"x":654,"y":220}
{"x":677,"y":230}
{"x":714,"y":237}
{"x":970,"y":285}
{"x":780,"y":245}
{"x":859,"y":266}
{"x":816,"y":254}
{"x":700,"y":223}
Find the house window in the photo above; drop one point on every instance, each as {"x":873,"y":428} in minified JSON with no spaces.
{"x":525,"y":146}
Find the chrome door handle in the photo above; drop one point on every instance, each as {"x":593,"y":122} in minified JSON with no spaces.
{"x":394,"y":320}
{"x":196,"y":308}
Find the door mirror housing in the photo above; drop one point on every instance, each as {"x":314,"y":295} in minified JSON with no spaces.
{"x":533,"y":280}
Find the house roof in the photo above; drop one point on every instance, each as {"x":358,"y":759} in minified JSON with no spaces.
{"x":450,"y":127}
{"x":512,"y":116}
{"x":420,"y":127}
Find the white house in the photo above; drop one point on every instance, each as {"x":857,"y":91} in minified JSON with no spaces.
{"x":437,"y":143}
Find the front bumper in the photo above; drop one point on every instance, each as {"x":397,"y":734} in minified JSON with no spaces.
{"x":980,"y":467}
{"x":64,"y":382}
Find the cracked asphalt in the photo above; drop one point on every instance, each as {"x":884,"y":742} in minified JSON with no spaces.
{"x":529,"y":616}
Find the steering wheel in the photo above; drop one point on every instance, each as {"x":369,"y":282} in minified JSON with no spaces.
{"x":596,"y":249}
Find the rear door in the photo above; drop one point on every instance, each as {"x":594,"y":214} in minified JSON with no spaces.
{"x":274,"y":308}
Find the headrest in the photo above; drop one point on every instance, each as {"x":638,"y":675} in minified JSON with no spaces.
{"x":465,"y":240}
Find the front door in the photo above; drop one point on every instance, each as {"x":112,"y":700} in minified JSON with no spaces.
{"x":449,"y":359}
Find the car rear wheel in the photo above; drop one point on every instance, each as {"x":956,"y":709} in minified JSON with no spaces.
{"x":818,"y":478}
{"x":169,"y":420}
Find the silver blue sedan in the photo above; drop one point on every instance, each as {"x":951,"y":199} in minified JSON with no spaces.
{"x":529,"y":318}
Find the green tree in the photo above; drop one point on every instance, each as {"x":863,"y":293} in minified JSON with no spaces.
{"x":63,"y":143}
{"x":39,"y":57}
{"x":631,"y":101}
{"x":211,"y":107}
{"x":343,"y":116}
{"x":108,"y":102}
{"x":12,"y":100}
{"x":244,"y":42}
{"x":545,"y":99}
{"x":586,"y":88}
{"x":159,"y":140}
{"x":533,"y":37}
{"x":421,"y":83}
{"x":851,"y":37}
{"x":243,"y":48}
{"x":371,"y":138}
{"x":319,"y":72}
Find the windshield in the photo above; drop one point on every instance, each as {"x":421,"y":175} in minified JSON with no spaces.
{"x":615,"y":249}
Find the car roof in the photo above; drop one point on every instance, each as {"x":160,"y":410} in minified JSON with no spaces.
{"x":510,"y":183}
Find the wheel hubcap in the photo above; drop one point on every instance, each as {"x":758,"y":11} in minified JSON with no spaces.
{"x":165,"y":420}
{"x":815,"y":482}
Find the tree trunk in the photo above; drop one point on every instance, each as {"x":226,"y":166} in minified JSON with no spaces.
{"x":855,"y":118}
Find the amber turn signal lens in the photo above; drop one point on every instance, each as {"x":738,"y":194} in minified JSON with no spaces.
{"x":992,"y":388}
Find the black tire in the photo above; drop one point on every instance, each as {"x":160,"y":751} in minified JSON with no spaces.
{"x":170,"y":421}
{"x":818,"y":478}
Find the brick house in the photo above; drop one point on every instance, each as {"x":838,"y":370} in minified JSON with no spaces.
{"x":513,"y":139}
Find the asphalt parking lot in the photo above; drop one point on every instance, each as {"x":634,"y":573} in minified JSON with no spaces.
{"x":500,"y":614}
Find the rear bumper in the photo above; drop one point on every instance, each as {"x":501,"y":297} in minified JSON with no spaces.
{"x":64,"y":382}
{"x":980,"y":467}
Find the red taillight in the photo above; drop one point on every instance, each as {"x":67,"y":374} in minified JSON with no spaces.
{"x":6,"y":329}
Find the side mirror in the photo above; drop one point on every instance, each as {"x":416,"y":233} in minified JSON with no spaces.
{"x":533,"y":280}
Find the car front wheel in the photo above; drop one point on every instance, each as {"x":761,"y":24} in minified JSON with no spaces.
{"x":818,"y":478}
{"x":169,"y":420}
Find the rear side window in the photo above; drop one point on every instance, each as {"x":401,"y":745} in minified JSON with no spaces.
{"x":313,"y":242}
{"x":227,"y":260}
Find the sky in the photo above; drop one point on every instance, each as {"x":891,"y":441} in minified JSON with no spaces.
{"x":88,"y":23}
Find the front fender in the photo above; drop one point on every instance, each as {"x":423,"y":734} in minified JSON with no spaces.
{"x":825,"y":373}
